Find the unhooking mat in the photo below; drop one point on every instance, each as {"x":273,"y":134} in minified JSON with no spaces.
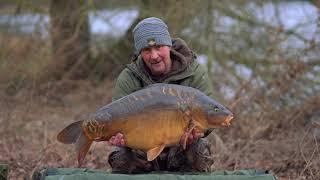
{"x":88,"y":174}
{"x":3,"y":171}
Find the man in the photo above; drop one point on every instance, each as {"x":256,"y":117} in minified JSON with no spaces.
{"x":161,"y":59}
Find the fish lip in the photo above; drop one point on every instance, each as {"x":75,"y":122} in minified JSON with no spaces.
{"x":227,"y":122}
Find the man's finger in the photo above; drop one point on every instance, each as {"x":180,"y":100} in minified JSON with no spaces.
{"x":117,"y":140}
{"x":202,"y":134}
{"x":199,"y":134}
{"x":119,"y":135}
{"x":122,"y":142}
{"x":112,"y":139}
{"x":195,"y":131}
{"x":183,"y":137}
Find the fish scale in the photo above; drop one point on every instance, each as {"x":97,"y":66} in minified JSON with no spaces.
{"x":150,"y":119}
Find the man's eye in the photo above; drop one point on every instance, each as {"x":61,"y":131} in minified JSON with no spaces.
{"x":158,"y":47}
{"x":145,"y":51}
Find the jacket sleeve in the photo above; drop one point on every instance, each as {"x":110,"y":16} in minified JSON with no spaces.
{"x":125,"y":84}
{"x":201,"y":80}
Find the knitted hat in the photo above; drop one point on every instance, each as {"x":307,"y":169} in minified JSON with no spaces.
{"x":149,"y":32}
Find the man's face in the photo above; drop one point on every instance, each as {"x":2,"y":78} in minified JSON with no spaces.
{"x":157,"y":59}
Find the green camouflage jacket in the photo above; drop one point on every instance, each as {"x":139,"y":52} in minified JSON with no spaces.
{"x":185,"y":71}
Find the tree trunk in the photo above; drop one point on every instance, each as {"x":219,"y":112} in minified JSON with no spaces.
{"x":70,"y":39}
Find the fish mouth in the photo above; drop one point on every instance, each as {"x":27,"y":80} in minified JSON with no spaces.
{"x":227,"y":121}
{"x":220,"y":121}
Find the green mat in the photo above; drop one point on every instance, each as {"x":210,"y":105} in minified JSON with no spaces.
{"x":86,"y":174}
{"x":3,"y":171}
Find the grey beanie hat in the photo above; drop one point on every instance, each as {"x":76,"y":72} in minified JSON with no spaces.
{"x":149,"y":32}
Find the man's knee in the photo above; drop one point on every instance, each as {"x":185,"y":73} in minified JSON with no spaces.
{"x":119,"y":158}
{"x":199,"y":155}
{"x":176,"y":159}
{"x":124,"y":160}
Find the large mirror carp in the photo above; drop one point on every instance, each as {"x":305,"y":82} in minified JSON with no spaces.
{"x":149,"y":119}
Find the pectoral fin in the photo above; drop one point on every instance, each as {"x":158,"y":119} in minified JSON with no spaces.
{"x":154,"y":152}
{"x":185,"y":137}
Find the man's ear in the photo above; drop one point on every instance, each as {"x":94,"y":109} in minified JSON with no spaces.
{"x":134,"y":57}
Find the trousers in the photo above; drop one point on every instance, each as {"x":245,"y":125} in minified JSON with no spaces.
{"x":197,"y":157}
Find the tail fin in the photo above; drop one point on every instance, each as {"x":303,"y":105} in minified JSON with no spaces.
{"x":82,"y":146}
{"x":71,"y":133}
{"x":74,"y":134}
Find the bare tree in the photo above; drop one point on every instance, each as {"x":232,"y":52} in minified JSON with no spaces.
{"x":70,"y":39}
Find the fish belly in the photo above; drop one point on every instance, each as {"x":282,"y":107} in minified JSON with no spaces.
{"x":151,"y":129}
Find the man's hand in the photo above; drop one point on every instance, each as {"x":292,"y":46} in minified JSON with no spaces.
{"x":192,"y":137}
{"x":117,"y":140}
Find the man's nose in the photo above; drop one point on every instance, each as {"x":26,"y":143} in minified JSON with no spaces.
{"x":154,"y":54}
